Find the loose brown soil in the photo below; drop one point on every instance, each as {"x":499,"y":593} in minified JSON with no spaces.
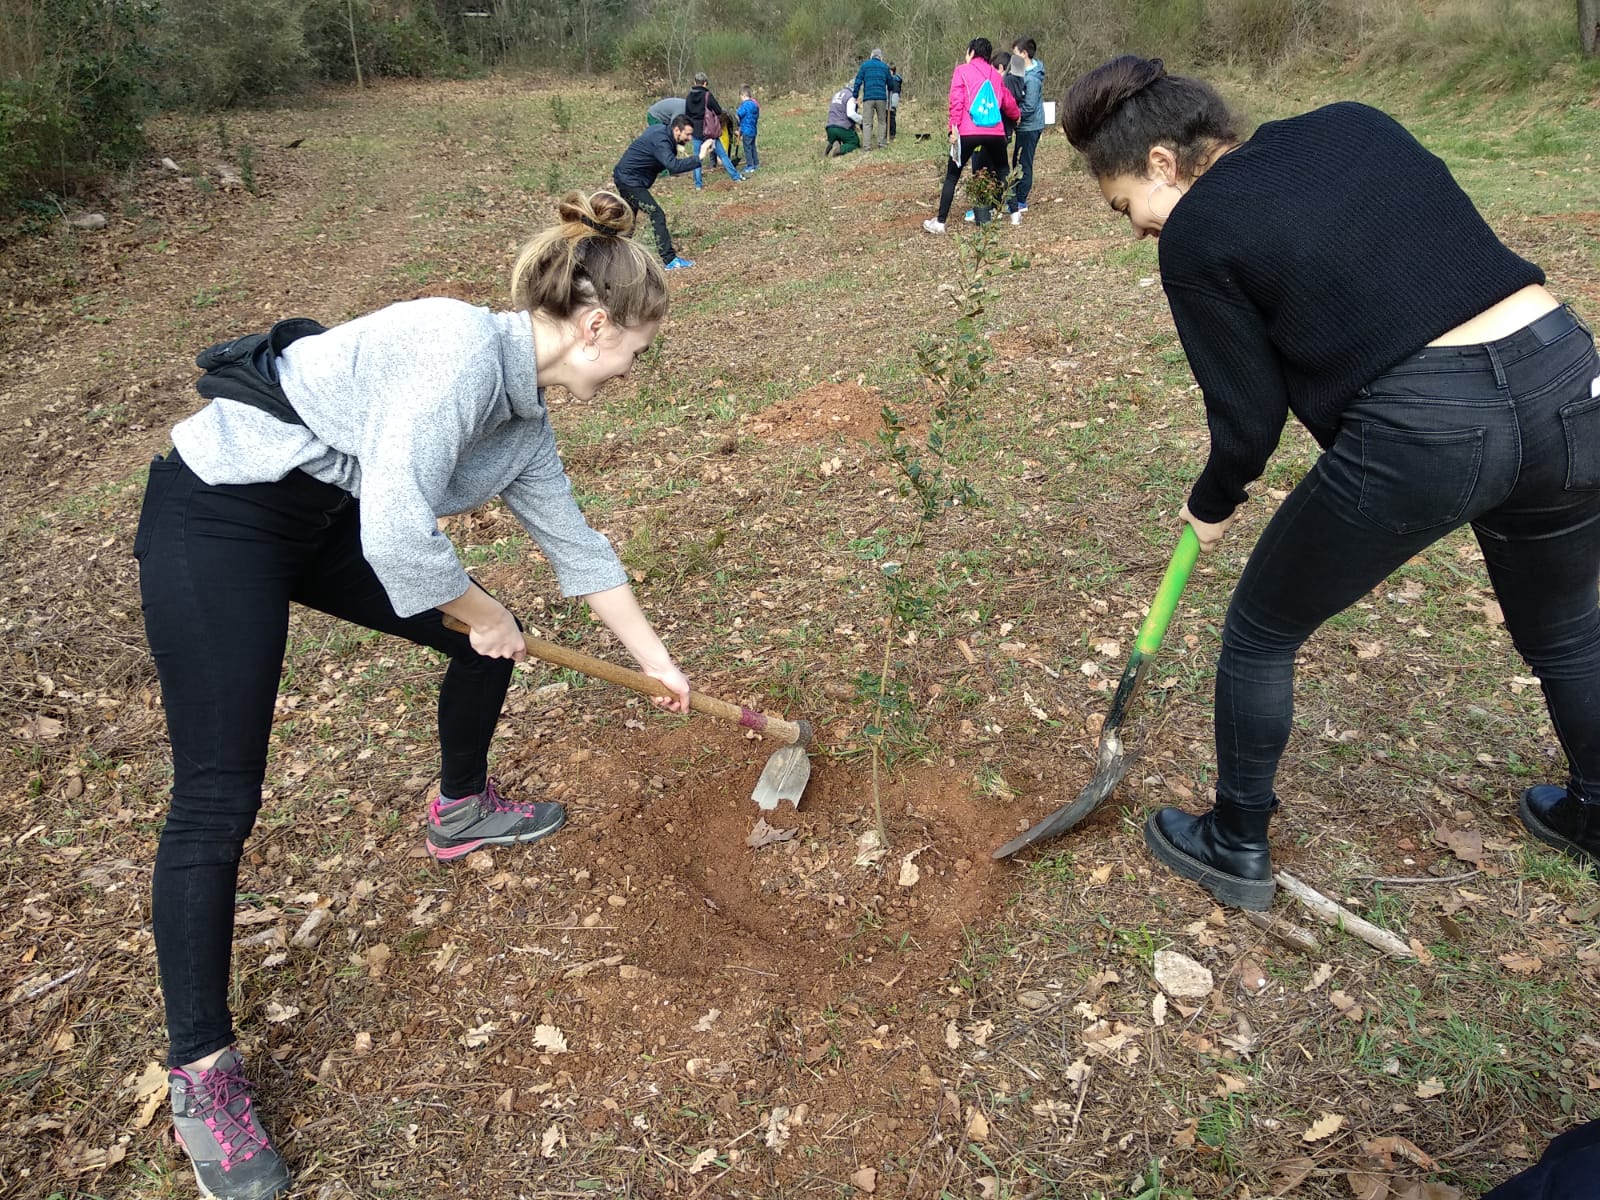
{"x":645,"y":1004}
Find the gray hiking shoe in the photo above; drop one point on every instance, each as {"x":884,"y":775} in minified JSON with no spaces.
{"x":457,"y":827}
{"x":214,"y":1118}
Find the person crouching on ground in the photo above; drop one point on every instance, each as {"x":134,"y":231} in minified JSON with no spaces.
{"x":1331,"y":267}
{"x":841,"y":125}
{"x":652,"y":152}
{"x":317,"y":476}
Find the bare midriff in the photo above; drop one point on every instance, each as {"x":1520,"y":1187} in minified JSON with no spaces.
{"x":1517,"y":310}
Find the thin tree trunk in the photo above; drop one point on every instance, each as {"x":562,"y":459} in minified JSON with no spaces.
{"x":355,"y":53}
{"x":1589,"y":26}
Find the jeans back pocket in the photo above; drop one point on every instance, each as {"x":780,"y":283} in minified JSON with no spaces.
{"x":162,"y":472}
{"x":1580,"y":422}
{"x":1413,"y":480}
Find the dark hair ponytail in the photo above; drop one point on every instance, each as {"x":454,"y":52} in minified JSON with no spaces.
{"x":1115,"y":113}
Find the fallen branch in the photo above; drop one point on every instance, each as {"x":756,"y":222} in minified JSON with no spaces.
{"x":1332,"y":913}
{"x":1417,"y":880}
{"x":1287,"y":932}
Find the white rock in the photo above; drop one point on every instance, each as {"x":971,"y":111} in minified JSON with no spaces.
{"x":1180,"y":975}
{"x":87,"y":220}
{"x":168,"y":165}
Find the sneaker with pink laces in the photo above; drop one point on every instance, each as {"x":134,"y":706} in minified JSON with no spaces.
{"x":457,"y":827}
{"x":214,"y":1117}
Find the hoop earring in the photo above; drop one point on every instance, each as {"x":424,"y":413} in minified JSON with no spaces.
{"x":594,"y":356}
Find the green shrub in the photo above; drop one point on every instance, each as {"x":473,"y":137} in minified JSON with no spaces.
{"x":73,"y":92}
{"x":224,"y":53}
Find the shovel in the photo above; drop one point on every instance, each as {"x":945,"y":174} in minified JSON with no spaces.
{"x":1112,"y":762}
{"x":785,"y":775}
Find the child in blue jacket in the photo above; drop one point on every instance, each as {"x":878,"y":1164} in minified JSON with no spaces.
{"x":749,"y":115}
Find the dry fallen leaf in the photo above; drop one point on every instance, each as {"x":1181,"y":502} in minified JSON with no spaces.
{"x":1290,"y":1173}
{"x":550,"y":1039}
{"x":277,"y":1014}
{"x":1522,"y":964}
{"x":764,"y":834}
{"x":1364,"y":1185}
{"x":1324,"y":1126}
{"x":1385,"y":1148}
{"x":977,"y":1127}
{"x":703,"y":1160}
{"x":1465,"y":844}
{"x":1429,"y":1088}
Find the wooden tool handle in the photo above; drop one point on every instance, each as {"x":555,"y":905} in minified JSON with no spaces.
{"x":796,"y":733}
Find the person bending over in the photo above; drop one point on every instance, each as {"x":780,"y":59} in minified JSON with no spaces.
{"x":316,"y":476}
{"x":1330,"y":267}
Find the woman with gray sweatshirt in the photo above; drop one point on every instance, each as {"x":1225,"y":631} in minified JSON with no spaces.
{"x":316,"y":476}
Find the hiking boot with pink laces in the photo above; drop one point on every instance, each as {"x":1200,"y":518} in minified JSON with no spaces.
{"x":214,"y":1116}
{"x":457,"y":827}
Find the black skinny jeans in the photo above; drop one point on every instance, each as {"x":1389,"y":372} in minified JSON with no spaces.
{"x":1505,"y":436}
{"x":986,"y":153}
{"x":640,"y":198}
{"x":218,"y":569}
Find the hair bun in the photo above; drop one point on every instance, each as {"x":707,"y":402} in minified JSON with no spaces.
{"x":604,"y":213}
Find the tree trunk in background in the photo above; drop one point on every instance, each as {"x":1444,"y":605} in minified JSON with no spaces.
{"x":355,"y":54}
{"x":1589,"y":26}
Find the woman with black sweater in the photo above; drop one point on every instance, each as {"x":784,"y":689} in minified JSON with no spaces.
{"x":1330,"y":267}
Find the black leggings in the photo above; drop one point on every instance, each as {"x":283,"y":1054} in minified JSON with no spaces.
{"x":218,"y":569}
{"x":986,"y":153}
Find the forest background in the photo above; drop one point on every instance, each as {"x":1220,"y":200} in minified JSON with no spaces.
{"x":78,"y":78}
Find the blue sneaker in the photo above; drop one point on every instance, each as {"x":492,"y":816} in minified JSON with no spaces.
{"x":678,"y":264}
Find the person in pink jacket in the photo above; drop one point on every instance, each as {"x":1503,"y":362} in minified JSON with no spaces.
{"x":979,"y":104}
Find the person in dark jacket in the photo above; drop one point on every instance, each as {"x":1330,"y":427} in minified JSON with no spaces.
{"x":897,"y":86}
{"x":701,"y":100}
{"x":652,"y":152}
{"x":1329,"y":266}
{"x":871,"y":88}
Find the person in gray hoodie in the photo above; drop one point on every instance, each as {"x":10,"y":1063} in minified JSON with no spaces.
{"x":1030,"y":125}
{"x":317,"y":475}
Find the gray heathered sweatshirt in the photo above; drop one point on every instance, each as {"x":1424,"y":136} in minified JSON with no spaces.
{"x":421,"y":409}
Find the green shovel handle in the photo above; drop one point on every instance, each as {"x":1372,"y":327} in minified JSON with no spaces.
{"x":1166,"y":601}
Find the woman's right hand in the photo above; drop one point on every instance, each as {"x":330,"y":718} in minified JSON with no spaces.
{"x":491,"y":628}
{"x":1209,"y":532}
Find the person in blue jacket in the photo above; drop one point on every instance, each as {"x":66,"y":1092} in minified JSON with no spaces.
{"x":652,"y":152}
{"x":871,"y":88}
{"x":1030,"y":125}
{"x":749,"y":115}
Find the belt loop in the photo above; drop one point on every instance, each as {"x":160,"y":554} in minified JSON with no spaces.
{"x":1573,"y":313}
{"x":1499,"y":367}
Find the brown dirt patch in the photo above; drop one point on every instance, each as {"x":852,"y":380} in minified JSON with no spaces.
{"x":829,"y":410}
{"x":735,"y":211}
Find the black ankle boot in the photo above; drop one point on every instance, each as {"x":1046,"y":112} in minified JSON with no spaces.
{"x":1225,"y":851}
{"x":1560,"y":819}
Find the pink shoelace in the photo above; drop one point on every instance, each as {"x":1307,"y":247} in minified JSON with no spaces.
{"x":222,"y":1088}
{"x":493,"y":801}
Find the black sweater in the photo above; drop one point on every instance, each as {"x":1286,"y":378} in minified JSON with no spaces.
{"x":1307,"y":262}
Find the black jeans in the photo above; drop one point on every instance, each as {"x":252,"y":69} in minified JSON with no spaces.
{"x":986,"y":153}
{"x":640,"y":199}
{"x":1505,"y":436}
{"x":218,"y":569}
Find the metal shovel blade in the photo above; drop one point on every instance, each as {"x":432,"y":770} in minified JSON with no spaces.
{"x":783,"y":778}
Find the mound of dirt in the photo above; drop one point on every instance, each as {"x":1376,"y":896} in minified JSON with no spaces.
{"x":829,"y":410}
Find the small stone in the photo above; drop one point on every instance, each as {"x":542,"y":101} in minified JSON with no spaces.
{"x":1180,"y":976}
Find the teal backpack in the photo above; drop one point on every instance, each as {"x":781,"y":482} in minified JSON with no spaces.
{"x":985,"y":106}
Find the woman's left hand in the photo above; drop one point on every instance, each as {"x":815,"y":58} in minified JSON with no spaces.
{"x":1209,"y":532}
{"x":675,"y":679}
